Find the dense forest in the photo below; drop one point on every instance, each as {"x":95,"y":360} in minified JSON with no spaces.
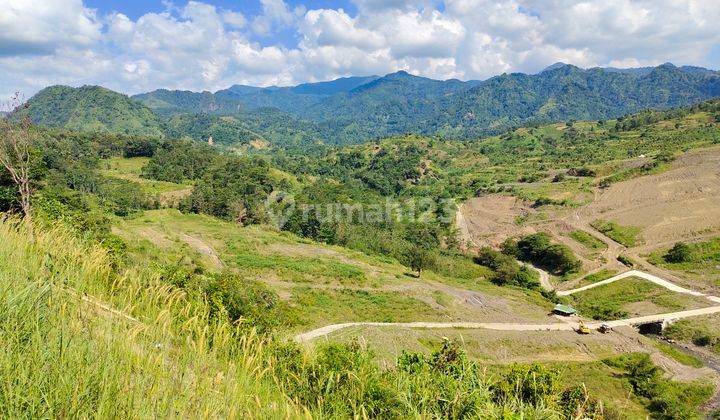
{"x":358,"y":109}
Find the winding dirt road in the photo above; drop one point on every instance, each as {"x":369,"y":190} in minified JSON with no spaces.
{"x":565,"y":326}
{"x":569,"y":326}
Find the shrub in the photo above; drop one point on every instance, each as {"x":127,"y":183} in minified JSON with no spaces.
{"x":506,"y":271}
{"x":626,"y":261}
{"x":583,"y":172}
{"x":244,"y":300}
{"x":139,"y":148}
{"x":679,"y":253}
{"x":538,"y":249}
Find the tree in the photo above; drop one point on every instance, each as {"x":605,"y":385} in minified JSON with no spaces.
{"x":679,"y":253}
{"x":418,"y":258}
{"x":16,"y":144}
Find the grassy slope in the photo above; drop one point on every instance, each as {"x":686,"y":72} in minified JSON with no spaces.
{"x":324,"y":284}
{"x":130,"y":169}
{"x":632,"y":297}
{"x":703,"y":331}
{"x":62,"y":357}
{"x":703,"y":267}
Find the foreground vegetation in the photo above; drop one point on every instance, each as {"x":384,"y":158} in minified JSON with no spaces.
{"x":127,"y":361}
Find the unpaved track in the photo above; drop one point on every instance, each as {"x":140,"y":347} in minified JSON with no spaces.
{"x":569,"y":326}
{"x":646,"y":276}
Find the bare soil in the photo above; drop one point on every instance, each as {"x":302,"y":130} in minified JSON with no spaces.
{"x":681,"y":203}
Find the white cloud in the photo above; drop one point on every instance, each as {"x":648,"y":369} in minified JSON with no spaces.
{"x":234,"y":19}
{"x":335,"y":28}
{"x":275,"y":14}
{"x":199,"y":46}
{"x":42,"y":26}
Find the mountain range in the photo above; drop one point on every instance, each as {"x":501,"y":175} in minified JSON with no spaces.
{"x":355,"y":109}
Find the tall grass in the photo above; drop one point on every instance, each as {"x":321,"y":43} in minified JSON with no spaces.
{"x":63,"y":356}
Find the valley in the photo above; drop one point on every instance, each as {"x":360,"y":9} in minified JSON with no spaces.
{"x":383,"y":255}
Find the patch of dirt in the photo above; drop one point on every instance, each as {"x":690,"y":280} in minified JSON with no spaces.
{"x":678,"y":204}
{"x":203,"y":248}
{"x":490,"y":219}
{"x":157,"y":238}
{"x":172,"y":198}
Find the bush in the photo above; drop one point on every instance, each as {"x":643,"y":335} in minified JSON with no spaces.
{"x":246,"y":301}
{"x":139,"y":148}
{"x":506,"y":271}
{"x":626,"y":261}
{"x":538,"y":249}
{"x":583,"y":172}
{"x":679,"y":253}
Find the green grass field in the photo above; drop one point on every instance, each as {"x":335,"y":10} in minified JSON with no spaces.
{"x":130,"y":169}
{"x":625,"y":235}
{"x":596,"y":277}
{"x":322,"y":284}
{"x":631,"y":296}
{"x":588,"y":241}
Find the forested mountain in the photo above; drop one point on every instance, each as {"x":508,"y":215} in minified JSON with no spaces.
{"x":353,"y":110}
{"x":93,"y":108}
{"x":174,"y":114}
{"x":568,"y":92}
{"x":171,"y":102}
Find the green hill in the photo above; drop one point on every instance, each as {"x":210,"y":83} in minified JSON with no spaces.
{"x":354,"y":110}
{"x":94,"y":109}
{"x":358,"y":109}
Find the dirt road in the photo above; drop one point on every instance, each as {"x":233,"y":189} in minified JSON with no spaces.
{"x":566,"y":326}
{"x":570,"y":326}
{"x":636,"y":273}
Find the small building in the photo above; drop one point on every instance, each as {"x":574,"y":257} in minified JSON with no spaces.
{"x":564,"y":310}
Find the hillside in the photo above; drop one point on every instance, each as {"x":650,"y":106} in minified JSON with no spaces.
{"x":92,"y":108}
{"x":569,"y":93}
{"x":357,"y":109}
{"x":242,"y":274}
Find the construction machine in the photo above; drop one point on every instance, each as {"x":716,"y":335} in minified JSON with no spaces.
{"x":582,"y":329}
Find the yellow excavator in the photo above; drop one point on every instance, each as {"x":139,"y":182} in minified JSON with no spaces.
{"x":582,"y":329}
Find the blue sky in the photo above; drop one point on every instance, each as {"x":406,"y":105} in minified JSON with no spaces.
{"x":136,"y":46}
{"x":250,"y":8}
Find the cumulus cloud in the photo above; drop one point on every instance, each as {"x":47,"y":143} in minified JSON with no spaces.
{"x":41,"y":26}
{"x":200,"y":46}
{"x":275,"y":14}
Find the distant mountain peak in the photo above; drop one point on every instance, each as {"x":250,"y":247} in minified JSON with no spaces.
{"x":400,"y":74}
{"x":555,"y":66}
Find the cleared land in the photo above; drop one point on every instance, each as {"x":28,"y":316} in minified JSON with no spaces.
{"x":130,"y":169}
{"x":632,"y":297}
{"x":324,"y":284}
{"x":678,"y":204}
